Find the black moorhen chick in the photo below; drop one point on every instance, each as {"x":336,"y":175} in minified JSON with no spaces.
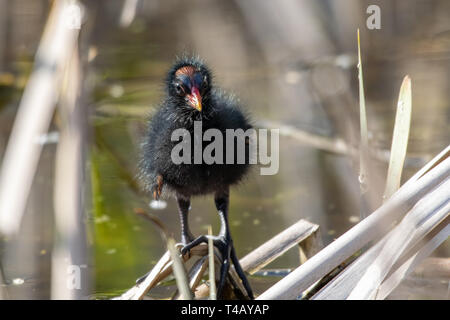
{"x":190,"y":96}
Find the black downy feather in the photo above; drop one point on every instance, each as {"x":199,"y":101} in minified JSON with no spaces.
{"x":220,"y":111}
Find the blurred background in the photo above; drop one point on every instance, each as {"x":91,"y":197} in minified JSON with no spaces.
{"x":292,"y":63}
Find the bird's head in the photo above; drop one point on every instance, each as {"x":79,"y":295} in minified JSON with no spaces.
{"x":189,"y":83}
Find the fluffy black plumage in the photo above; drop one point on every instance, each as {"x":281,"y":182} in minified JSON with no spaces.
{"x":219,"y":110}
{"x":191,"y":96}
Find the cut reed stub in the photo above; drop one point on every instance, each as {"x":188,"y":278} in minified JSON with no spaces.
{"x":399,"y":139}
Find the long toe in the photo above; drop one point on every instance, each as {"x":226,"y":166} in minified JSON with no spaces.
{"x":223,"y":244}
{"x":194,"y":243}
{"x":241,"y":273}
{"x":220,"y":242}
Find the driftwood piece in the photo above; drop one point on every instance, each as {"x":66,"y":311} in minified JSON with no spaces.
{"x":278,"y":245}
{"x":197,"y":271}
{"x":423,"y":218}
{"x":340,"y":287}
{"x":320,"y":284}
{"x":179,"y":270}
{"x":310,"y":246}
{"x":252,"y":262}
{"x":299,"y":233}
{"x":160,"y":271}
{"x":163,"y":269}
{"x":233,"y":285}
{"x":425,"y":250}
{"x":367,"y":230}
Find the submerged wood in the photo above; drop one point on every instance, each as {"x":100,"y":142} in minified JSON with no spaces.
{"x":367,"y":230}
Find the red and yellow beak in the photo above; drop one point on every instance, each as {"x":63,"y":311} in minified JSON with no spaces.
{"x":195,"y":99}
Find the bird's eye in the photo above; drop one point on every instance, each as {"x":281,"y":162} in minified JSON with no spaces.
{"x":179,"y":89}
{"x":205,"y":81}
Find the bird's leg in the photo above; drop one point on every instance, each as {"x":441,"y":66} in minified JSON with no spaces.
{"x":224,"y":244}
{"x":221,"y":241}
{"x":222,"y":200}
{"x":184,"y":205}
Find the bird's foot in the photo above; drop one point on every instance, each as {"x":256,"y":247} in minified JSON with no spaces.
{"x":220,"y":242}
{"x":225,"y":246}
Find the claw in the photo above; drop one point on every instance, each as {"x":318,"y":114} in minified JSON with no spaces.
{"x":185,"y":250}
{"x":193,"y":243}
